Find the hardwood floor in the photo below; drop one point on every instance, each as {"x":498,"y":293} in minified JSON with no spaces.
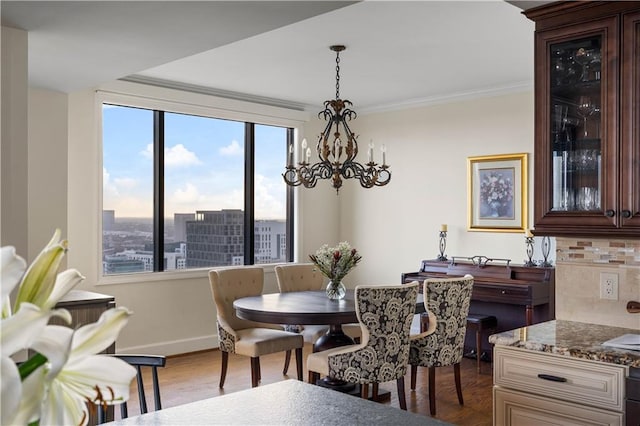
{"x":195,"y":376}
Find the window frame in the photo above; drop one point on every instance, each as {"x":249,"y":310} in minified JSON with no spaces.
{"x":156,"y":99}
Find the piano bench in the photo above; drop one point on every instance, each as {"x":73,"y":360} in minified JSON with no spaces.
{"x":480,"y":323}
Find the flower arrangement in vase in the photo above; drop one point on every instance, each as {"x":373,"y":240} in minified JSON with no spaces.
{"x":496,"y":192}
{"x":335,"y":263}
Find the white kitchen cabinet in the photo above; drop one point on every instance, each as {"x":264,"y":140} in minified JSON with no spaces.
{"x":541,"y":388}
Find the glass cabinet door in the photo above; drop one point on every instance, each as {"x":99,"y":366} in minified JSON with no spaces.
{"x":575,"y":107}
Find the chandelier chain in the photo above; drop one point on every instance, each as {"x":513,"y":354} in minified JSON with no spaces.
{"x":338,"y":75}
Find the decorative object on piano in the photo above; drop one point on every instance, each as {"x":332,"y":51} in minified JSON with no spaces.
{"x":497,"y":199}
{"x":335,"y":263}
{"x":332,"y":164}
{"x":443,"y":242}
{"x":546,"y":248}
{"x":528,"y":239}
{"x":64,"y":372}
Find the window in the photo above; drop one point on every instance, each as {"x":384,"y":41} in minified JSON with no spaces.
{"x":182,"y":191}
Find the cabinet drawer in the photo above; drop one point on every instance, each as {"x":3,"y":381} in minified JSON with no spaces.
{"x":512,"y":408}
{"x":584,"y":382}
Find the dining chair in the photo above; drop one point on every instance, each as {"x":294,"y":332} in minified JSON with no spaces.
{"x":447,"y":303}
{"x":140,"y":362}
{"x":243,"y":337}
{"x":307,"y":277}
{"x":385,"y":314}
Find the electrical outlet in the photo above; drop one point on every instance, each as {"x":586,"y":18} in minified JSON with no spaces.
{"x":608,"y":286}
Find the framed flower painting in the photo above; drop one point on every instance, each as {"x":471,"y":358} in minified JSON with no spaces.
{"x":497,"y":193}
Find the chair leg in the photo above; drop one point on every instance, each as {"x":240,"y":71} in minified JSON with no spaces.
{"x":432,"y":390}
{"x":374,"y":392}
{"x":299,"y":363}
{"x":259,"y":371}
{"x":223,"y":370}
{"x":456,"y":373}
{"x":313,"y":377}
{"x":414,"y":375}
{"x":364,"y":391}
{"x":255,"y":371}
{"x":401,"y":396}
{"x":478,"y":346}
{"x":287,"y":360}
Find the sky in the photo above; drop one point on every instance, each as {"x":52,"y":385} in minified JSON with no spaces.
{"x":204,"y":164}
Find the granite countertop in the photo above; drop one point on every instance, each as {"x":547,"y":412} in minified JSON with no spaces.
{"x":572,"y":339}
{"x":288,"y":402}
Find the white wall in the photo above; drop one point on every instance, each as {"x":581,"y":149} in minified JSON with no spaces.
{"x":14,"y":135}
{"x":47,"y":167}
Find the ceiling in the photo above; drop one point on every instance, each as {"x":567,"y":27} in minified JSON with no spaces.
{"x":399,"y":53}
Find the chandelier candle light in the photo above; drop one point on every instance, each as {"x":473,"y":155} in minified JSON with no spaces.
{"x":529,"y":242}
{"x":337,"y":149}
{"x":443,"y":242}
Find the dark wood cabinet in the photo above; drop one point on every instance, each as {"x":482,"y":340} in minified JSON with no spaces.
{"x":587,"y":119}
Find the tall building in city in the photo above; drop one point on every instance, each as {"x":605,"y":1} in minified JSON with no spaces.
{"x":180,"y":226}
{"x":108,"y":219}
{"x":270,"y":241}
{"x":216,"y":238}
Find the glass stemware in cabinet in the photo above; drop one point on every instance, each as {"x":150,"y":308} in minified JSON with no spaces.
{"x":584,"y":57}
{"x":586,"y":108}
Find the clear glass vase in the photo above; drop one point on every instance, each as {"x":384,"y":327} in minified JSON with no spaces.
{"x":336,"y":290}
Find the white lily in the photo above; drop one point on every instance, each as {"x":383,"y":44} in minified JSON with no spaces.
{"x":39,"y":280}
{"x":19,"y":332}
{"x":52,"y":386}
{"x":12,"y":267}
{"x":78,"y":375}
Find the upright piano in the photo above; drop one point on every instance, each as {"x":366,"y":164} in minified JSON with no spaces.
{"x":516,"y":295}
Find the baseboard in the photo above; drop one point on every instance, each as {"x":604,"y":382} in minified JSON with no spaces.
{"x":174,"y":347}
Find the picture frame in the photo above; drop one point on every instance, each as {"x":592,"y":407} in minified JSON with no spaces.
{"x":497,"y":193}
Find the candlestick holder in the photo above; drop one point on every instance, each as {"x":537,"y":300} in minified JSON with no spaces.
{"x":546,"y":248}
{"x":443,"y":245}
{"x":529,"y":242}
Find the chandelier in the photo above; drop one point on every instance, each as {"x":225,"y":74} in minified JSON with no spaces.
{"x":337,"y":149}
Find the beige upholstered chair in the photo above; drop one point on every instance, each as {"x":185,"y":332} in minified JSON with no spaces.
{"x":447,"y":303}
{"x":307,"y":277}
{"x":385,"y":313}
{"x":242,"y":337}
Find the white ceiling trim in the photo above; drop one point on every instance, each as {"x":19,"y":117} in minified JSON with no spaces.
{"x":451,"y":98}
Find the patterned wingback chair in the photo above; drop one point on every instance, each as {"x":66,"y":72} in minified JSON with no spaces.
{"x":243,"y":337}
{"x":447,"y":303}
{"x":385,"y":314}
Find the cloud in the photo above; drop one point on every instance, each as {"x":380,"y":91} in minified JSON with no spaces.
{"x":125,"y":183}
{"x":187,"y":195}
{"x":234,"y":148}
{"x":179,"y":156}
{"x":148,"y":152}
{"x":108,"y":188}
{"x":176,"y":156}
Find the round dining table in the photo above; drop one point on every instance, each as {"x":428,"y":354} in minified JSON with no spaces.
{"x":306,"y":307}
{"x":310,"y":307}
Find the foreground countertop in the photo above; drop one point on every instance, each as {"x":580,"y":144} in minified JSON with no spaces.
{"x":572,"y":339}
{"x":289,"y":402}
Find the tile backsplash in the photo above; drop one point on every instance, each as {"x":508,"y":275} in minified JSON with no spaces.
{"x":579,"y":263}
{"x":598,"y":251}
